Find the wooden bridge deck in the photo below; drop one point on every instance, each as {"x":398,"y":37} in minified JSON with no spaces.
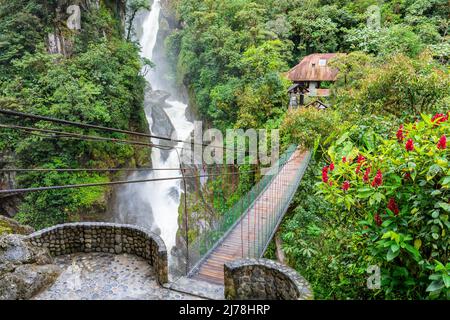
{"x":244,"y":240}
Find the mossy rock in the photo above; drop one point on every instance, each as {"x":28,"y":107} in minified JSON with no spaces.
{"x":9,"y":226}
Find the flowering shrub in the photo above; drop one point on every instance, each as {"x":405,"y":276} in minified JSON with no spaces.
{"x":398,"y":194}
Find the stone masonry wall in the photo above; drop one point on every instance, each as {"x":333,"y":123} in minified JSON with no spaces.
{"x":105,"y":237}
{"x":264,"y":279}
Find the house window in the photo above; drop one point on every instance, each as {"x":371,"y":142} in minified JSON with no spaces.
{"x":322,"y":62}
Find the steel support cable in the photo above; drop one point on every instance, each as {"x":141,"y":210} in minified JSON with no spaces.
{"x":69,"y":135}
{"x":100,"y":184}
{"x":81,"y":137}
{"x":94,"y":169}
{"x":65,"y":136}
{"x":105,"y":169}
{"x":78,"y":124}
{"x":77,"y":135}
{"x":97,"y":127}
{"x":87,"y":169}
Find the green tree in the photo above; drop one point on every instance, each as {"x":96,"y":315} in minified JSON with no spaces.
{"x":133,"y":7}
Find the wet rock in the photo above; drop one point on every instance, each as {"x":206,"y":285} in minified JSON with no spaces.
{"x":157,"y":97}
{"x":27,"y":280}
{"x":24,"y":269}
{"x":174,"y":194}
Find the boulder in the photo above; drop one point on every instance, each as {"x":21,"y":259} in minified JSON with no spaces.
{"x":24,"y":269}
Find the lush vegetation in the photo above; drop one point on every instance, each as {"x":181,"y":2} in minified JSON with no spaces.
{"x":232,"y":56}
{"x":375,"y":193}
{"x":94,"y":80}
{"x":231,"y":53}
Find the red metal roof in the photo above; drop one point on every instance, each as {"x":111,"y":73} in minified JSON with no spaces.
{"x":310,"y":69}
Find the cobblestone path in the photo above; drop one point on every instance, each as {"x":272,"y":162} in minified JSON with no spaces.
{"x":102,"y":276}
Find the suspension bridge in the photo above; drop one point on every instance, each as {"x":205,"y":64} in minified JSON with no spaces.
{"x":250,"y":233}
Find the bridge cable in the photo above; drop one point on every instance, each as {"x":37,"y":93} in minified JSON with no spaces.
{"x":100,"y":184}
{"x":97,"y":127}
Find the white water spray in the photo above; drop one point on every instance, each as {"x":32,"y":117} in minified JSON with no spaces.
{"x":162,"y":197}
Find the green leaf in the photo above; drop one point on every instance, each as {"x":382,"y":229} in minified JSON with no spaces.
{"x":417,"y":244}
{"x":446,"y":181}
{"x":444,"y":206}
{"x":412,"y":250}
{"x":395,"y":247}
{"x":446,"y":279}
{"x":378,"y":197}
{"x":433,"y":171}
{"x":342,"y":139}
{"x":436,"y":193}
{"x":435,"y":286}
{"x":391,"y":254}
{"x":365,"y":192}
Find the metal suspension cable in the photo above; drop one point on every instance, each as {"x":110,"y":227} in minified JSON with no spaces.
{"x":101,"y":184}
{"x":68,"y":135}
{"x":77,"y":135}
{"x":81,"y":137}
{"x":78,"y":124}
{"x":26,"y":190}
{"x":109,"y":169}
{"x":102,"y":169}
{"x":86,"y":169}
{"x":91,"y":126}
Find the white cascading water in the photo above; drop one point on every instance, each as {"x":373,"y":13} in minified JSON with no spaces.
{"x":160,"y":196}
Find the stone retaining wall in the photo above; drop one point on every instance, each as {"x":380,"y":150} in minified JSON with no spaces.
{"x":264,"y":279}
{"x":105,"y":237}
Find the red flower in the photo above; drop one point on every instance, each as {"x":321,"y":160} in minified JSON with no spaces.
{"x":407,"y":176}
{"x":344,"y":159}
{"x":361,"y":159}
{"x":331,"y":183}
{"x":378,"y":180}
{"x":358,"y":169}
{"x":345,"y":185}
{"x":325,"y":174}
{"x":442,"y":144}
{"x":378,"y":219}
{"x":409,"y":145}
{"x":400,"y":136}
{"x":331,"y":166}
{"x":393,"y":206}
{"x":439,"y":117}
{"x":366,"y":175}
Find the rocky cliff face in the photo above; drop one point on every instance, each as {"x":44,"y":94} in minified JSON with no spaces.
{"x":25,"y":269}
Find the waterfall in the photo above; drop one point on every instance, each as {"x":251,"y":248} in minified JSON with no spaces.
{"x":155,"y":204}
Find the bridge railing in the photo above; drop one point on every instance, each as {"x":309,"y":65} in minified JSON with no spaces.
{"x":284,"y":189}
{"x":209,"y":239}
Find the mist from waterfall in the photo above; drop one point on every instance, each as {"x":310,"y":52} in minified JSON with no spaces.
{"x":155,"y":204}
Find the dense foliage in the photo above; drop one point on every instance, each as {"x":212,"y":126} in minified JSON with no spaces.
{"x":231,"y":53}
